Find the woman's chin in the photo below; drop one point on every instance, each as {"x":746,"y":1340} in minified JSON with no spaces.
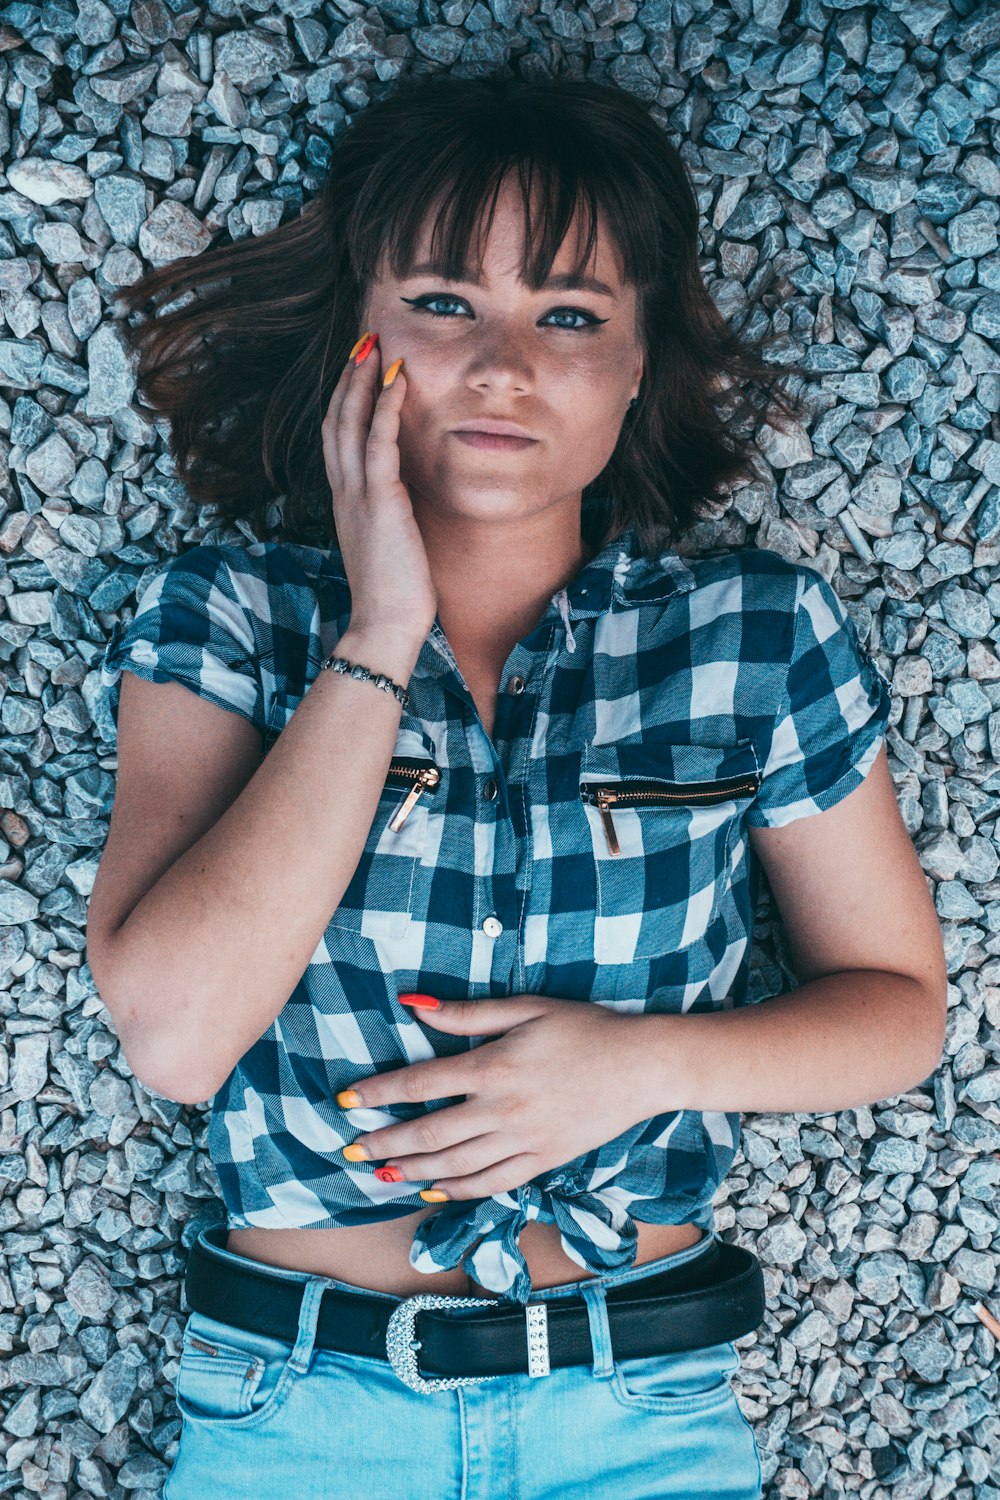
{"x":487,"y":504}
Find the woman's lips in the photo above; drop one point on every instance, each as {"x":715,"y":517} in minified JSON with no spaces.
{"x":493,"y":441}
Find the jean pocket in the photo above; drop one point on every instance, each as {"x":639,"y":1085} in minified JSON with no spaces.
{"x":683,"y":1383}
{"x":664,"y":819}
{"x":229,"y":1375}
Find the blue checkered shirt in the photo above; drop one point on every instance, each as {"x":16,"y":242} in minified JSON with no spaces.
{"x":594,"y":848}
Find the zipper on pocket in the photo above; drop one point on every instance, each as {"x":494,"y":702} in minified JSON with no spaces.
{"x":638,"y":791}
{"x":419,"y":777}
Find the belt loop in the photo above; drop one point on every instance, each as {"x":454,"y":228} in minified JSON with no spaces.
{"x":305,"y":1340}
{"x":600,"y":1332}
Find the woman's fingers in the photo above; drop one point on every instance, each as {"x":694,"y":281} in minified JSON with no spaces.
{"x":459,"y":1159}
{"x":330,"y":428}
{"x":377,"y":532}
{"x":382,"y":449}
{"x":425,"y":1136}
{"x":361,"y":430}
{"x":355,"y":423}
{"x":504,"y":1177}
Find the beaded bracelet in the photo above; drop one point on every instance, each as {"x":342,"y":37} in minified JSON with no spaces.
{"x":379,"y":679}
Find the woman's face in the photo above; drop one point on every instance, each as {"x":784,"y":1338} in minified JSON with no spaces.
{"x":562,"y":364}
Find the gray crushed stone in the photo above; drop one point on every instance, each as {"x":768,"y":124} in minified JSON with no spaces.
{"x":845,"y":159}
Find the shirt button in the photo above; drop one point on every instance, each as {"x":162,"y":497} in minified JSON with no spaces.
{"x":516,"y":685}
{"x":492,"y":927}
{"x":490,"y":789}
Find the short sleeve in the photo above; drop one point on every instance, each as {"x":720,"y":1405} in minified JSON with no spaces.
{"x":190,"y":626}
{"x":831,"y":718}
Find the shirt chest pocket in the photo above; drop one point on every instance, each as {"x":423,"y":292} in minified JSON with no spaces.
{"x":378,"y":901}
{"x":663,"y":820}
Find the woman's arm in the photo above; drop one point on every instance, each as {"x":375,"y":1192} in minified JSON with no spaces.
{"x":867,"y":1021}
{"x":222,"y":868}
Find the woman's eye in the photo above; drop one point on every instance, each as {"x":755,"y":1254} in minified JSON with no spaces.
{"x":423,"y":304}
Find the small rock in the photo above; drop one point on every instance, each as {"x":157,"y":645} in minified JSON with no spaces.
{"x":785,"y":449}
{"x":51,"y":465}
{"x":171,"y":232}
{"x":248,"y":57}
{"x":46,"y":181}
{"x":112,"y":379}
{"x":122,"y":201}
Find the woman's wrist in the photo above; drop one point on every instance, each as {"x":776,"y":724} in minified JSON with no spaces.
{"x":387,"y":651}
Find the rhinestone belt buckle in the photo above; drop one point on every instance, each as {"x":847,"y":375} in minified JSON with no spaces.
{"x":402,"y":1348}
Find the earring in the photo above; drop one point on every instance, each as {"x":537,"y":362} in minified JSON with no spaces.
{"x":633,"y":402}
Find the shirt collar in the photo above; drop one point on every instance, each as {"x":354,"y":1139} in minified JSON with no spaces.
{"x":619,"y":577}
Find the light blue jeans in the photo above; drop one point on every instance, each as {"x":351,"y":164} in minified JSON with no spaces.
{"x":267,"y":1420}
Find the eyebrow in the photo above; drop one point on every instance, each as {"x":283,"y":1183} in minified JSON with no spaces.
{"x":566,"y":282}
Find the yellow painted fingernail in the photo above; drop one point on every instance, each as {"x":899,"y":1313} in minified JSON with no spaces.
{"x":355,"y":1152}
{"x":348,"y":1099}
{"x":434,"y":1195}
{"x":391,"y":373}
{"x":358,"y":345}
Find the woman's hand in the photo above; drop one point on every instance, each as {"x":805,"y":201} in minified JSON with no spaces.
{"x":555,"y":1084}
{"x":384,"y":556}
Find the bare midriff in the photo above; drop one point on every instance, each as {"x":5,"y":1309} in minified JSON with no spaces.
{"x":377,"y":1256}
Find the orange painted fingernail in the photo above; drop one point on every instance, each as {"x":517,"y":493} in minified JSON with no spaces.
{"x":358,"y":345}
{"x":354,"y":1152}
{"x":388,"y":1174}
{"x":366,"y":348}
{"x":434,"y":1195}
{"x":392,"y":372}
{"x":348,"y":1099}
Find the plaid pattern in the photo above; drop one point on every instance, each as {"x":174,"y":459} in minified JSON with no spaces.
{"x":730,"y":689}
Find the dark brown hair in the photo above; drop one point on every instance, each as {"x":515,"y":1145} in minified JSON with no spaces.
{"x":244,"y":357}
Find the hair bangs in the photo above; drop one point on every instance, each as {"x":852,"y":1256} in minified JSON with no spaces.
{"x":457,"y":187}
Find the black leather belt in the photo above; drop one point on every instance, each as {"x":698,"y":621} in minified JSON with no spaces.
{"x":714,"y":1298}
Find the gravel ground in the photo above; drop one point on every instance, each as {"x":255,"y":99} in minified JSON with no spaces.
{"x":846,"y":164}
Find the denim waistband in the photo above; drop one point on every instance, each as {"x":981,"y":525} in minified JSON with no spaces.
{"x":213,"y":1240}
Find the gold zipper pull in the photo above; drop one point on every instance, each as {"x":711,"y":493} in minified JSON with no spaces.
{"x":430,"y":777}
{"x":604,"y":801}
